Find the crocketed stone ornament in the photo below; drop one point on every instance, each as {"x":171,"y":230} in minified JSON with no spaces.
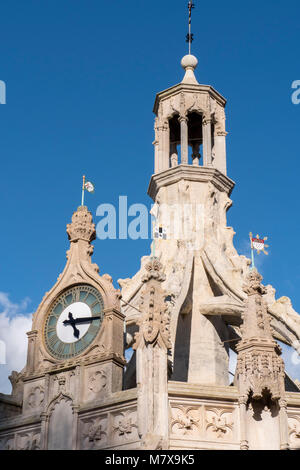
{"x":155,"y":321}
{"x":82,"y":226}
{"x":260,"y":368}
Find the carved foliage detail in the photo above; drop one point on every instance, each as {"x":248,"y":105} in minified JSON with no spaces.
{"x":94,"y":433}
{"x":97,"y":382}
{"x":260,"y":367}
{"x":201,"y":422}
{"x":155,"y":321}
{"x":7,"y":443}
{"x":186,"y":421}
{"x":29,"y":441}
{"x":124,"y":426}
{"x":219,"y":423}
{"x":82,"y":226}
{"x":294,"y":430}
{"x":36,"y":397}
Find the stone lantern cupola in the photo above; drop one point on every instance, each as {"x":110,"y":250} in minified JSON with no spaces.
{"x":190,"y":124}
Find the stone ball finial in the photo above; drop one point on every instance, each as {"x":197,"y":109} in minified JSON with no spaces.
{"x":189,"y":61}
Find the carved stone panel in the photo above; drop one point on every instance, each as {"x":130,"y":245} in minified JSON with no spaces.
{"x":294,"y":431}
{"x":186,"y":421}
{"x":218,"y":424}
{"x":7,"y":442}
{"x":93,"y":432}
{"x":34,"y":397}
{"x":97,"y":382}
{"x":28,"y":440}
{"x":64,"y":382}
{"x":124,"y":427}
{"x":204,"y":423}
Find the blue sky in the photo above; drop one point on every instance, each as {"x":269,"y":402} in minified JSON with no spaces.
{"x":81,"y":80}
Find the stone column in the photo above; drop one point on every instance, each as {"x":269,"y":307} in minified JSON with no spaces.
{"x":206,"y":133}
{"x":283,"y":423}
{"x":166,"y":146}
{"x":31,"y":353}
{"x":156,"y":163}
{"x":220,"y":152}
{"x":184,"y":139}
{"x":243,"y":423}
{"x":156,"y":147}
{"x":152,"y":343}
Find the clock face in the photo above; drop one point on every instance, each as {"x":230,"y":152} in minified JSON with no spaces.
{"x":74,"y":321}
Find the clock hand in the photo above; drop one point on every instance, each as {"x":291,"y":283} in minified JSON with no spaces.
{"x":71,"y":322}
{"x":85,"y":320}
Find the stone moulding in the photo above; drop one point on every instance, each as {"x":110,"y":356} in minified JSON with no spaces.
{"x":191,"y":173}
{"x":189,"y":88}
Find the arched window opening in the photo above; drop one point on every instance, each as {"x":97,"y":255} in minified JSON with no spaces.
{"x":195,"y":137}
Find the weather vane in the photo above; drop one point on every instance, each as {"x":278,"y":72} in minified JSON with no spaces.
{"x":259,"y":245}
{"x":190,"y":35}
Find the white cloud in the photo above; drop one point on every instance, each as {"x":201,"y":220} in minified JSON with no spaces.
{"x":14,"y":324}
{"x":292,"y":367}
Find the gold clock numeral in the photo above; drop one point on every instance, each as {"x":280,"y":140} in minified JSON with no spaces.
{"x":94,"y":304}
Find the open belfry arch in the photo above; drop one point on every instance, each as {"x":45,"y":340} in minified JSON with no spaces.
{"x":193,"y":300}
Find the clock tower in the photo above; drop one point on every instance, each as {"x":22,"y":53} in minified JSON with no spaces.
{"x":75,"y":352}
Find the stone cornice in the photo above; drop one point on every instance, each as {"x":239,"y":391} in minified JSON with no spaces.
{"x":188,"y":88}
{"x":182,"y":389}
{"x":190,"y":173}
{"x":72,"y":363}
{"x":115,"y":401}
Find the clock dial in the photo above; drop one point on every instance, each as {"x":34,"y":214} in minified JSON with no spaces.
{"x":73,"y":321}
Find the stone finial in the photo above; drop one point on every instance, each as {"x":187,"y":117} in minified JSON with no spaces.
{"x":82,"y":226}
{"x":155,"y":320}
{"x":256,"y":320}
{"x":153,"y":271}
{"x":253,"y":283}
{"x":189,"y":63}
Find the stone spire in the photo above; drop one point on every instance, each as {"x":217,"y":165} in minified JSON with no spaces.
{"x":260,"y":369}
